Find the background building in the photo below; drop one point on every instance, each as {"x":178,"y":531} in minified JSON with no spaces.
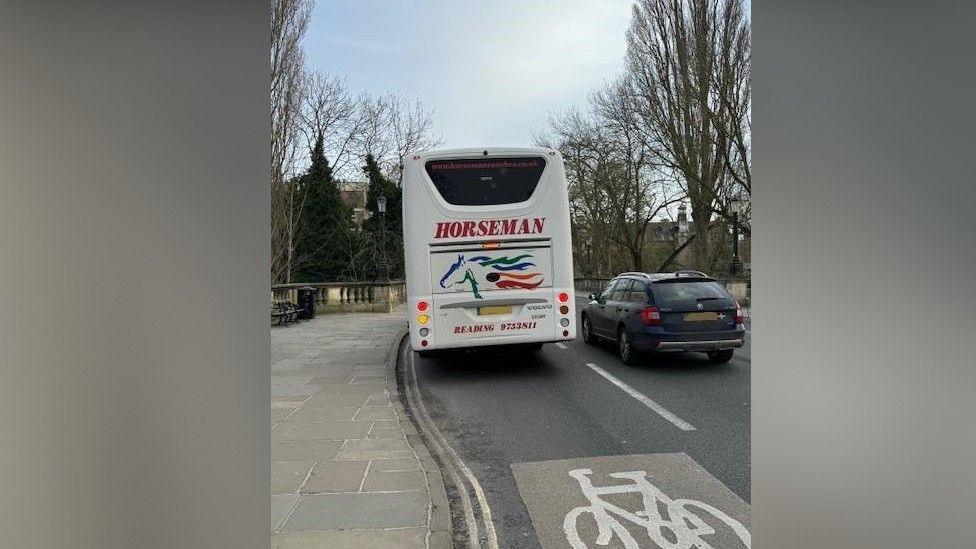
{"x":353,"y":194}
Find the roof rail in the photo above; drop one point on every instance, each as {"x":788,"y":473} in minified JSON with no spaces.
{"x":691,"y":273}
{"x":633,"y":273}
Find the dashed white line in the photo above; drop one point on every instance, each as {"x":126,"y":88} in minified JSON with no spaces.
{"x":644,"y":399}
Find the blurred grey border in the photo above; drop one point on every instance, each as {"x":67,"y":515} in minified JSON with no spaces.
{"x":134,"y":216}
{"x":133,"y":255}
{"x":863,"y":263}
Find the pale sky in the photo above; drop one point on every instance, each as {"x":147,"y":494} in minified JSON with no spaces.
{"x":493,"y":71}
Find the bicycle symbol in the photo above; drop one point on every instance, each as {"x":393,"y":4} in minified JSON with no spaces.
{"x":686,"y":527}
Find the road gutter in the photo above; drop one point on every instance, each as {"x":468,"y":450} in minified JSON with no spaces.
{"x":463,"y":482}
{"x":438,"y":511}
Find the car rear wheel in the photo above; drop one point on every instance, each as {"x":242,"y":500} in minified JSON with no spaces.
{"x":720,"y":357}
{"x":625,"y":350}
{"x":587,"y":333}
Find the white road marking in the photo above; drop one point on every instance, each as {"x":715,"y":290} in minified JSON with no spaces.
{"x":682,"y":522}
{"x":644,"y":399}
{"x":561,"y":345}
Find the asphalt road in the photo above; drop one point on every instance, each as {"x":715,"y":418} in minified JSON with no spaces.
{"x":501,"y":410}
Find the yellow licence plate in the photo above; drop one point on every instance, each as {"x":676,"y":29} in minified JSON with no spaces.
{"x":705,"y":316}
{"x":495,"y":310}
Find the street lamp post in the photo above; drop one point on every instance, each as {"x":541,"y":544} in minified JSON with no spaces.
{"x":736,"y":207}
{"x":381,"y":207}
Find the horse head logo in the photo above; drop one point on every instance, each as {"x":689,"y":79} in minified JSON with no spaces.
{"x":507,"y":272}
{"x":447,"y":281}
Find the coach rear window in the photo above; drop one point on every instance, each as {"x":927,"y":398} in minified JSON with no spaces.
{"x":486,"y":181}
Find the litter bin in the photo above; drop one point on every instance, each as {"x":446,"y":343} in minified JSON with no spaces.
{"x":306,"y":302}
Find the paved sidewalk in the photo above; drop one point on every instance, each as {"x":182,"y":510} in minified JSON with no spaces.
{"x":348,"y":469}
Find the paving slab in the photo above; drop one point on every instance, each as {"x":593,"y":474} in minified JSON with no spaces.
{"x":320,"y":430}
{"x":319,"y":413}
{"x":385,"y":432}
{"x":407,"y":538}
{"x":281,"y":505}
{"x":379,"y":481}
{"x":350,"y":511}
{"x":304,"y":450}
{"x":288,"y":476}
{"x":359,"y":449}
{"x":336,"y":476}
{"x":375,"y":412}
{"x":339,"y":439}
{"x":401,"y":464}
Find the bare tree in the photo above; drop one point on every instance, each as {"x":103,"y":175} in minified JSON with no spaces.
{"x":329,"y":110}
{"x":679,"y":62}
{"x":586,"y":154}
{"x":390,"y":127}
{"x":643,"y":190}
{"x":410,"y":127}
{"x":733,"y":82}
{"x":616,"y":189}
{"x":289,"y":21}
{"x":375,"y":115}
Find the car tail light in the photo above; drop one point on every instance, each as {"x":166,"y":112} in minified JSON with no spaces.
{"x":650,"y":316}
{"x":739,"y":316}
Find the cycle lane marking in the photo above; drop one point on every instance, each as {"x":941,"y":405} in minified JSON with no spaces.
{"x":617,"y":501}
{"x":643,"y":399}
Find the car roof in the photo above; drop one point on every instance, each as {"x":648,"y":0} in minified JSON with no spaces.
{"x":658,"y":277}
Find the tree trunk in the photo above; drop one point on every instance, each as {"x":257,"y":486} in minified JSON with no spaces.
{"x":700,"y":246}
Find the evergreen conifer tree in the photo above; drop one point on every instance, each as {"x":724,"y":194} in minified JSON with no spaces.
{"x":380,"y":185}
{"x":326,"y":233}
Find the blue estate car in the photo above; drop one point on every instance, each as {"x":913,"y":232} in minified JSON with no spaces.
{"x":681,"y":311}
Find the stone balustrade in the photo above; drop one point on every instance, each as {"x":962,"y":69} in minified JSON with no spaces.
{"x":737,"y":287}
{"x":336,"y":297}
{"x":590,"y":285}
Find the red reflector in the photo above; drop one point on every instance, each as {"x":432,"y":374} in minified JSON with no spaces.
{"x":421,"y":306}
{"x":650,"y":316}
{"x":563,"y":297}
{"x":423,"y":342}
{"x":565,"y":333}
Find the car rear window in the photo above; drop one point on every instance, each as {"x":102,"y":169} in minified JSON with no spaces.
{"x":486,"y":181}
{"x":666,"y":293}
